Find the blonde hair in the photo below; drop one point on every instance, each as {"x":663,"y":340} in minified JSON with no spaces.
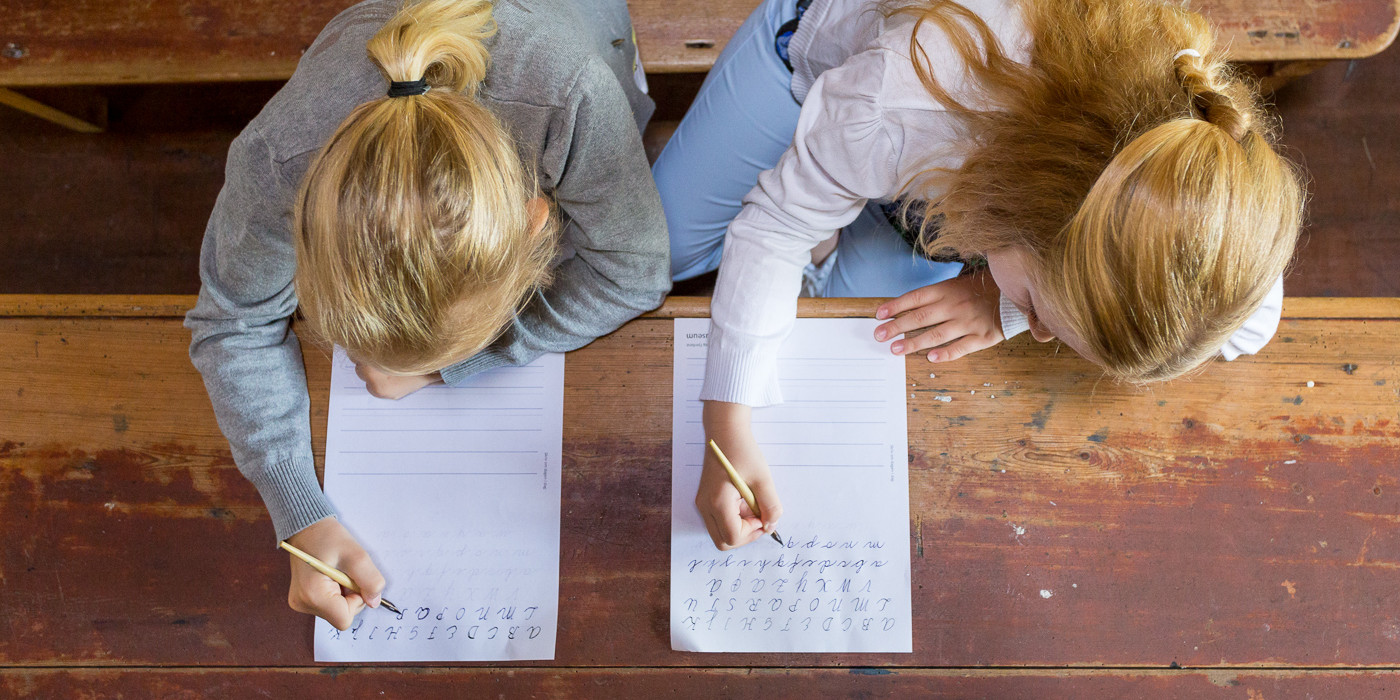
{"x":414,"y":241}
{"x":1141,"y":179}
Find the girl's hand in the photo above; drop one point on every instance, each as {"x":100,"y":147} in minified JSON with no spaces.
{"x":727,"y":516}
{"x":313,"y":593}
{"x":392,"y":386}
{"x":962,"y":315}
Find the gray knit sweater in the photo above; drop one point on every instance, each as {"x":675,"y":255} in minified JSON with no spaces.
{"x":561,"y":80}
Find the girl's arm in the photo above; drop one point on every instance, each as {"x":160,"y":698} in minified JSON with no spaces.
{"x":840,"y":157}
{"x":252,"y":368}
{"x":242,"y":339}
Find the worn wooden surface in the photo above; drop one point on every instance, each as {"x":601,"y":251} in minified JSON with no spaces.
{"x":439,"y":682}
{"x":43,"y":42}
{"x":1237,"y":521}
{"x":175,"y":305}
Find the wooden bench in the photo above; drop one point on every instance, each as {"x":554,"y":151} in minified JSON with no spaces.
{"x":104,"y":42}
{"x":1239,"y":523}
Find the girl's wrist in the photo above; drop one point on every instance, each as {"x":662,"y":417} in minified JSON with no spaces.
{"x":722,"y":419}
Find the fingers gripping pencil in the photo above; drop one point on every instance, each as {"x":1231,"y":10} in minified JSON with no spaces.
{"x":335,"y":574}
{"x":744,"y":489}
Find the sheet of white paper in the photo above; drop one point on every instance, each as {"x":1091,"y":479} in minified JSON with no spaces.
{"x":838,"y":448}
{"x":455,"y":493}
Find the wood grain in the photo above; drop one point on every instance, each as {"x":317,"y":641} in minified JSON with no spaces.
{"x":175,"y":306}
{"x":43,"y":42}
{"x":438,"y":682}
{"x":96,"y":305}
{"x":1235,"y":518}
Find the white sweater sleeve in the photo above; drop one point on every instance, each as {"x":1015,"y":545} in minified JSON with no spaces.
{"x":1259,"y":329}
{"x":1256,"y":332}
{"x":842,"y":154}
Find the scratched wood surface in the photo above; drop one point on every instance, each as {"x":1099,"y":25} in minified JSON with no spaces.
{"x":43,"y":42}
{"x":438,"y":682}
{"x":1238,"y":518}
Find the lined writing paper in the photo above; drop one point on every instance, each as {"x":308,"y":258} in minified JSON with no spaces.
{"x":838,"y":449}
{"x":454,"y":491}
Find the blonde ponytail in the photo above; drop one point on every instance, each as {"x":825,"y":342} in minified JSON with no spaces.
{"x":414,"y":239}
{"x":442,"y":41}
{"x":1141,"y":179}
{"x":1214,"y":97}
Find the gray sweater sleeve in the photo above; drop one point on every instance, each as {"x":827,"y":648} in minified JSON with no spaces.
{"x":621,"y":263}
{"x":242,"y":339}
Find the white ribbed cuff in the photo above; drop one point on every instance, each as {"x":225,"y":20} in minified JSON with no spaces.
{"x":1013,"y":322}
{"x":747,"y":376}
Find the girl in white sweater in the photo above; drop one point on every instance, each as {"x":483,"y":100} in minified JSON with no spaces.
{"x":1108,"y":180}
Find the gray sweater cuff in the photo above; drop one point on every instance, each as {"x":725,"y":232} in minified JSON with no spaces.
{"x":490,"y":358}
{"x":293,"y":497}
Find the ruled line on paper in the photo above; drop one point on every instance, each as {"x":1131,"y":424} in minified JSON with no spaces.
{"x":439,"y":473}
{"x":815,"y":466}
{"x":811,"y":422}
{"x":817,"y":444}
{"x":405,"y":409}
{"x":468,"y":389}
{"x":438,"y":452}
{"x":439,"y":430}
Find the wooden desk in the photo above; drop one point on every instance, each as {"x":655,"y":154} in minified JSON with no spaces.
{"x":1237,"y":523}
{"x":104,"y":42}
{"x":87,"y":42}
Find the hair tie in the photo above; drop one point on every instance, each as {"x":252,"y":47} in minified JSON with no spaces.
{"x":408,"y":88}
{"x":1185,"y":52}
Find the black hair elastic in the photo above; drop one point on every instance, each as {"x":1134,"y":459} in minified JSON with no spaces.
{"x":408,"y":88}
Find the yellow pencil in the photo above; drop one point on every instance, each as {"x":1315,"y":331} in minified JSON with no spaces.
{"x":336,"y":574}
{"x":744,"y":489}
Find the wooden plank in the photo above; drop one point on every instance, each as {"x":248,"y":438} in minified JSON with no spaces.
{"x":689,"y":37}
{"x":146,"y":41}
{"x":1341,"y":307}
{"x":95,"y":305}
{"x":175,"y":306}
{"x":1237,"y":517}
{"x":428,"y":683}
{"x":47,"y":113}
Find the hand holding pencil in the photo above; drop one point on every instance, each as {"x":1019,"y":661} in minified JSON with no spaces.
{"x":735,"y":465}
{"x":314,"y":592}
{"x":742,"y":486}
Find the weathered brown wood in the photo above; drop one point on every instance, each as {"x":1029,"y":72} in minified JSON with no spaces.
{"x":175,"y":305}
{"x":1235,"y":518}
{"x":439,"y":682}
{"x":47,"y":113}
{"x":1341,"y":307}
{"x":1274,"y":76}
{"x":95,"y":305}
{"x":688,"y":37}
{"x":143,"y":41}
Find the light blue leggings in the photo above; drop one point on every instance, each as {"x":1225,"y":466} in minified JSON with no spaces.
{"x":740,"y":123}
